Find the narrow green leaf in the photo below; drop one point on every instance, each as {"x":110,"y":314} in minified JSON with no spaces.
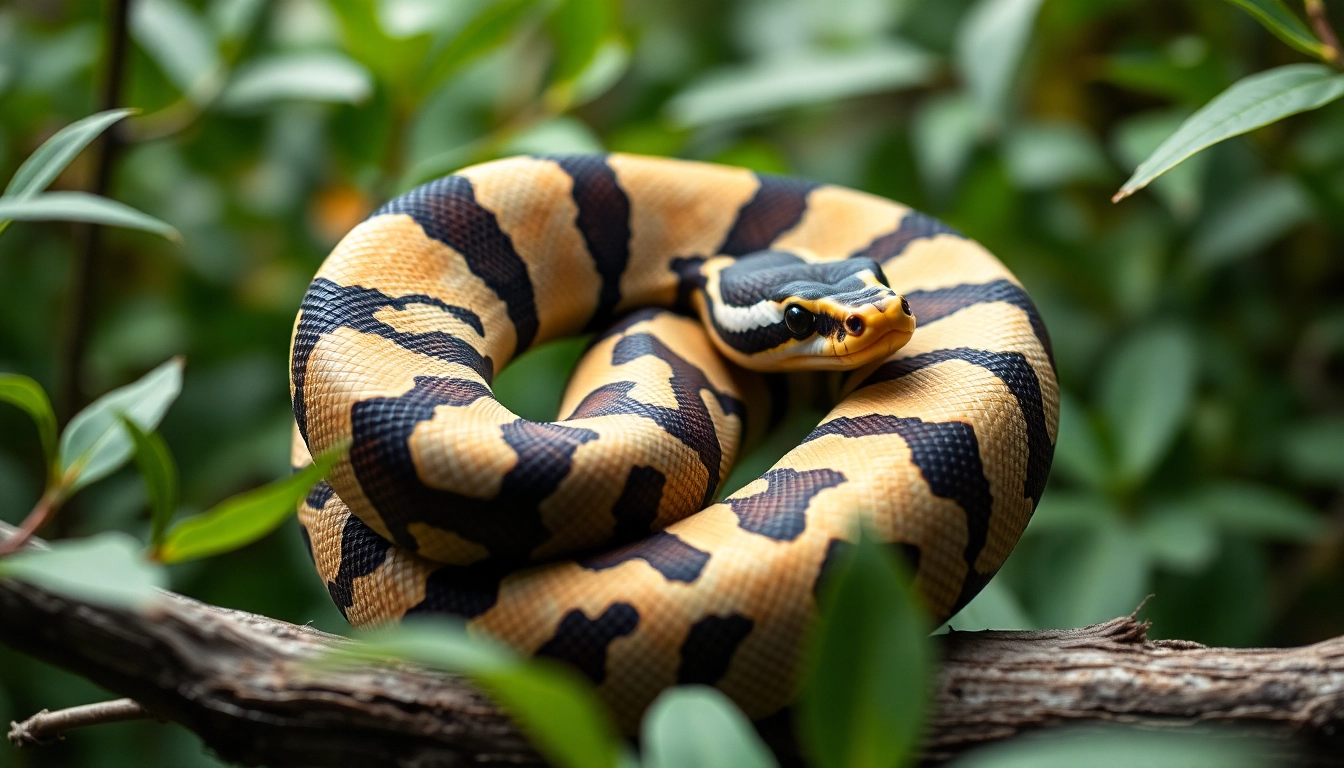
{"x":27,"y":395}
{"x":799,"y":79}
{"x":106,"y":569}
{"x":1285,"y":25}
{"x":245,"y":518}
{"x":487,"y":30}
{"x":1146,"y":396}
{"x":1249,"y":103}
{"x":1249,"y":222}
{"x":944,"y":131}
{"x":577,"y":28}
{"x":315,"y":76}
{"x":989,"y":48}
{"x":1259,"y":511}
{"x":1123,"y":747}
{"x":1078,"y":453}
{"x":866,"y":684}
{"x":82,"y":206}
{"x":181,"y":43}
{"x":47,"y":162}
{"x":95,"y":443}
{"x":1177,"y":538}
{"x":1314,"y":452}
{"x":1096,"y":575}
{"x":558,"y":710}
{"x":696,"y":726}
{"x":159,"y":472}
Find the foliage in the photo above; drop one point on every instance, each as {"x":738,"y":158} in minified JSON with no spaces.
{"x":1197,"y":326}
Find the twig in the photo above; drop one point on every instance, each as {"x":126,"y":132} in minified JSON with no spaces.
{"x":83,"y":272}
{"x":47,"y":727}
{"x":38,"y":517}
{"x":1320,"y":23}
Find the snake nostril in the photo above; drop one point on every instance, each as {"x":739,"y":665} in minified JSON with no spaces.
{"x":854,"y":324}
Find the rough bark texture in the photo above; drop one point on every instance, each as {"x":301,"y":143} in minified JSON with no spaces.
{"x":248,"y":685}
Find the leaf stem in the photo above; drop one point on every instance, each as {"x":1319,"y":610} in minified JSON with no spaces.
{"x":43,"y":511}
{"x":1320,"y":24}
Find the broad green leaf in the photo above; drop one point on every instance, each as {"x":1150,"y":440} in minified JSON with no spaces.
{"x":1101,"y":574}
{"x":1181,"y":189}
{"x":105,"y":569}
{"x":487,"y":30}
{"x":996,"y":607}
{"x":866,"y":682}
{"x":1250,"y":222}
{"x":944,"y":132}
{"x":577,"y":28}
{"x":1078,"y":451}
{"x":95,"y":443}
{"x":557,"y":709}
{"x":1314,"y":452}
{"x":240,"y":520}
{"x":82,"y":206}
{"x":1248,"y":104}
{"x":1258,"y":511}
{"x":1178,"y":538}
{"x":313,"y":76}
{"x":159,"y":472}
{"x":606,"y":67}
{"x":1119,"y":747}
{"x":990,"y":44}
{"x":1051,"y":154}
{"x":1064,"y":510}
{"x":799,"y":79}
{"x":181,"y":43}
{"x":1285,"y":25}
{"x":557,"y":136}
{"x":1146,"y":395}
{"x":47,"y":162}
{"x":27,"y":395}
{"x":696,"y":726}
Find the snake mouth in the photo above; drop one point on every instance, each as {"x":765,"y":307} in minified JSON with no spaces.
{"x":879,"y":347}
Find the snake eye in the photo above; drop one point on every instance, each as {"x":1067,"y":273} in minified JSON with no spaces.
{"x":799,"y":321}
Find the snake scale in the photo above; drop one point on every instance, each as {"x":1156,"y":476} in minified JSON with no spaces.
{"x":596,"y":539}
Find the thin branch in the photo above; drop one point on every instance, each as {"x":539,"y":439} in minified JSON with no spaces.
{"x":1320,"y":23}
{"x":48,"y":727}
{"x":38,"y":517}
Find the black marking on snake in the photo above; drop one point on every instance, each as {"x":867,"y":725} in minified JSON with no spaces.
{"x":320,"y":494}
{"x":604,"y":222}
{"x":362,"y":551}
{"x":970,"y":587}
{"x":937,"y":304}
{"x":777,"y":207}
{"x":752,"y":340}
{"x":690,"y":422}
{"x":913,"y":226}
{"x":583,"y":642}
{"x":665,"y":552}
{"x":709,"y":647}
{"x":947,"y":455}
{"x":689,"y":280}
{"x":779,"y":276}
{"x":780,"y":511}
{"x":447,"y":210}
{"x":328,"y":306}
{"x":460,"y":590}
{"x":637,"y":506}
{"x":1017,"y":374}
{"x":509,"y":525}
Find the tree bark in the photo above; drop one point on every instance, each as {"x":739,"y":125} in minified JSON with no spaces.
{"x":250,"y":688}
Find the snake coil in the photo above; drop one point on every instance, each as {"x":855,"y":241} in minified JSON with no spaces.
{"x":596,"y":539}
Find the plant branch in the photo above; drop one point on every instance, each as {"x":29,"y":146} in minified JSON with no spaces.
{"x":1320,"y":24}
{"x":48,"y":727}
{"x":42,"y":512}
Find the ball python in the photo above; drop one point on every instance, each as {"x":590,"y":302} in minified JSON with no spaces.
{"x":597,"y":539}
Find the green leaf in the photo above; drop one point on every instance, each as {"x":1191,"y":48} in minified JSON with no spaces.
{"x":47,"y":162}
{"x":866,"y":683}
{"x":27,"y":395}
{"x":95,"y":443}
{"x":1178,"y":539}
{"x":990,"y":44}
{"x":312,"y":76}
{"x":1078,"y":450}
{"x":1314,"y":452}
{"x":558,"y":710}
{"x":245,"y":518}
{"x":578,"y":28}
{"x":159,"y":472}
{"x":1121,"y":747}
{"x":1258,"y":511}
{"x":1043,"y":155}
{"x":82,"y":206}
{"x":944,"y":132}
{"x":1181,"y":189}
{"x":487,"y":30}
{"x":1100,"y":574}
{"x":696,"y":726}
{"x":1285,"y":25}
{"x":181,"y":43}
{"x":799,"y":79}
{"x":1146,"y":397}
{"x":1248,"y":104}
{"x":1250,"y":222}
{"x":105,"y":569}
{"x":1064,"y":510}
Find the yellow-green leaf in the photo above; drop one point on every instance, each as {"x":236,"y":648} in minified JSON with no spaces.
{"x":159,"y":472}
{"x":27,"y":395}
{"x":47,"y":162}
{"x":82,"y":206}
{"x":1285,"y":25}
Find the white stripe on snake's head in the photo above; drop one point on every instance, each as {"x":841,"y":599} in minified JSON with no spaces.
{"x":775,"y":311}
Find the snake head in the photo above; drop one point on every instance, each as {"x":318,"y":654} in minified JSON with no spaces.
{"x":773,"y":311}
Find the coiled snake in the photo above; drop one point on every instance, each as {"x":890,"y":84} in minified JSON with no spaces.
{"x":596,"y":539}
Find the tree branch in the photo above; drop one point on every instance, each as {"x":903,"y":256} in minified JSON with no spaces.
{"x":46,"y":727}
{"x":249,"y":686}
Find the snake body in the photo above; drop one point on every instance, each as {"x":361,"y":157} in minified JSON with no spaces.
{"x":596,"y":539}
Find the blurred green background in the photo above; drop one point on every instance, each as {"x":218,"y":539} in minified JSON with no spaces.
{"x":1198,"y":327}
